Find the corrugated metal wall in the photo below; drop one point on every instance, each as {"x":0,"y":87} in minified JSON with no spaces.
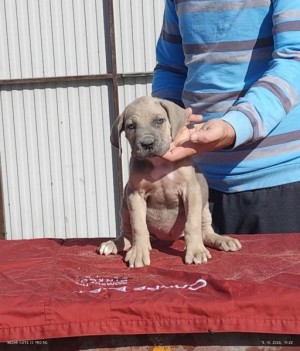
{"x":137,"y":25}
{"x":56,"y":107}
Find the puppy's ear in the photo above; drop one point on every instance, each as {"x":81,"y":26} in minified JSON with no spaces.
{"x":177,"y":116}
{"x":116,"y":130}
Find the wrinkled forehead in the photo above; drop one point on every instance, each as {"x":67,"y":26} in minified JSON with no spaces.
{"x":145,"y":108}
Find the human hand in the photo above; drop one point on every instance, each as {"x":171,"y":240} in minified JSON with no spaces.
{"x":208,"y":136}
{"x":193,"y":117}
{"x":184,"y":134}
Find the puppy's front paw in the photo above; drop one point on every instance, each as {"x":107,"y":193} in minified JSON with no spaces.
{"x":197,"y":255}
{"x":138,"y":256}
{"x":107,"y":248}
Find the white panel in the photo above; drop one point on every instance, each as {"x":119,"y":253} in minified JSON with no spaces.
{"x":68,"y":193}
{"x":51,"y":38}
{"x":57,"y":162}
{"x":93,"y":28}
{"x":150,"y":32}
{"x":69,"y":37}
{"x":11,"y":23}
{"x":43,"y":148}
{"x":4,"y":54}
{"x":33,"y":176}
{"x":137,"y":36}
{"x":124,"y":42}
{"x":138,"y":24}
{"x":23,"y":39}
{"x":57,"y":179}
{"x":58,"y":38}
{"x":36,"y":48}
{"x":77,"y":159}
{"x":100,"y":23}
{"x":80,"y":37}
{"x":102,"y":153}
{"x":47,"y":39}
{"x":10,"y":166}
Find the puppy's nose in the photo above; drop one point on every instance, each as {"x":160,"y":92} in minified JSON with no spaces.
{"x":147,"y":143}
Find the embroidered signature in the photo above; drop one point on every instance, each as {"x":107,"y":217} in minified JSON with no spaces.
{"x":98,"y":284}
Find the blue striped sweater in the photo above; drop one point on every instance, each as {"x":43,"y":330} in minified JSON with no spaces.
{"x":238,"y":60}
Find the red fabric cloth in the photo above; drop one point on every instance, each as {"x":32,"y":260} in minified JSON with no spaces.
{"x":60,"y":288}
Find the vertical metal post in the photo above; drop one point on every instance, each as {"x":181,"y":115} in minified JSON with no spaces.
{"x":113,"y":58}
{"x":2,"y":213}
{"x":115,"y":94}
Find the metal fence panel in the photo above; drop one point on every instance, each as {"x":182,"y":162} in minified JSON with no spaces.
{"x":51,"y":38}
{"x":138,"y":24}
{"x":58,"y":169}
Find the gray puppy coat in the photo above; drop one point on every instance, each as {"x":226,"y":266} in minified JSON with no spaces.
{"x":162,"y":198}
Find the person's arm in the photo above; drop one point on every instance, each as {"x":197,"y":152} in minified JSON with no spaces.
{"x":266,"y":103}
{"x":170,"y":71}
{"x":271,"y":98}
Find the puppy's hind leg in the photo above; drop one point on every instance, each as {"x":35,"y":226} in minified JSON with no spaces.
{"x":121,"y":243}
{"x":214,"y":240}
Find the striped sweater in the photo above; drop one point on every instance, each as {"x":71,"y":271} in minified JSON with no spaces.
{"x":238,"y":60}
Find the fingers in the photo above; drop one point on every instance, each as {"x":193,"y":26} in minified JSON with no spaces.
{"x":189,"y":133}
{"x":209,"y":136}
{"x":193,"y":117}
{"x":182,"y":136}
{"x":203,"y":136}
{"x":180,"y":152}
{"x":215,"y":133}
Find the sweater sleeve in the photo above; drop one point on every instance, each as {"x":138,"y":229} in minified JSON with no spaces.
{"x":271,"y":98}
{"x":170,"y":71}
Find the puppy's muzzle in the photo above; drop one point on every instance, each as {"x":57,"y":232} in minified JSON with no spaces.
{"x":149,"y":146}
{"x":147,"y":143}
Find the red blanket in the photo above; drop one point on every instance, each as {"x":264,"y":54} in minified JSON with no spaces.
{"x":60,"y":288}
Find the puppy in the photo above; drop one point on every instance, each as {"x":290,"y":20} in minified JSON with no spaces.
{"x":164,"y":199}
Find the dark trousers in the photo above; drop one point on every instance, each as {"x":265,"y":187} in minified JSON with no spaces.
{"x":270,"y":210}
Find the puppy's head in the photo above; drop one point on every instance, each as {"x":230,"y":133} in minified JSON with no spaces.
{"x":150,"y":124}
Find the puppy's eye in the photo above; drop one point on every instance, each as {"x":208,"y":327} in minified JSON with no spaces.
{"x":160,"y":120}
{"x":130,"y":126}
